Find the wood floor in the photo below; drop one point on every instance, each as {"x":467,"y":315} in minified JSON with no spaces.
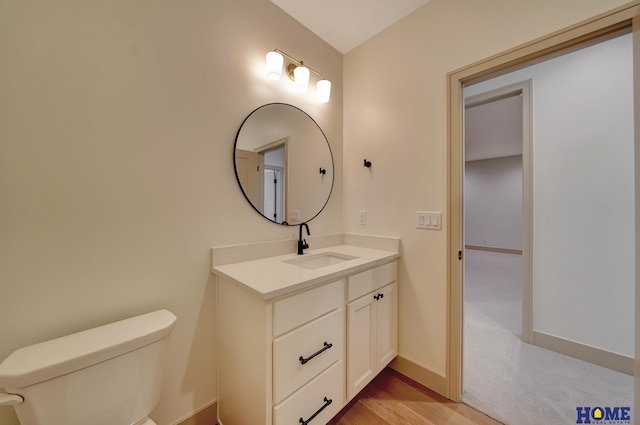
{"x":393,"y":399}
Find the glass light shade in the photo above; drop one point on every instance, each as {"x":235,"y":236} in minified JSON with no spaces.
{"x":301,"y":76}
{"x":274,"y":65}
{"x":324,"y":90}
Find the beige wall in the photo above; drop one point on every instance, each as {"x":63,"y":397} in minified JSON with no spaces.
{"x":117,"y":124}
{"x":395,"y":116}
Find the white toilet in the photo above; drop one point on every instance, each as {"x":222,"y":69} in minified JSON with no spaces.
{"x":109,"y":375}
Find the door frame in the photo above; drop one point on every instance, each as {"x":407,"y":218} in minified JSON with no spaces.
{"x":522,"y":88}
{"x":606,"y":25}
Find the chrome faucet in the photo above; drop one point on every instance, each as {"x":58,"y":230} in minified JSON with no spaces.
{"x":302,"y":243}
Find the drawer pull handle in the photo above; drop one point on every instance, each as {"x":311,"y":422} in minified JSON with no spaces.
{"x":377,"y":297}
{"x":327,"y":401}
{"x":324,"y":348}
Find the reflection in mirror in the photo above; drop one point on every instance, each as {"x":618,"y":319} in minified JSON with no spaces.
{"x":284,"y":164}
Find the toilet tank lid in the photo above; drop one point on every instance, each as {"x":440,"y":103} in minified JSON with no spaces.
{"x":46,"y":360}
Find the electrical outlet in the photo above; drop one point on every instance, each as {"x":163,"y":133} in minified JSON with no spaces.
{"x":362,"y":217}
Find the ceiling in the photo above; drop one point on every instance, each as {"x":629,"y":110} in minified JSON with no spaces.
{"x":345,"y":24}
{"x":493,"y":129}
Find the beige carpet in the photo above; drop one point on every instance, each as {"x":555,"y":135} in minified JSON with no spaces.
{"x":514,"y":382}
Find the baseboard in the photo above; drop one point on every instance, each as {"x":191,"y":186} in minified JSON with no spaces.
{"x":584,"y":352}
{"x":420,"y":374}
{"x":207,"y":415}
{"x":494,"y":249}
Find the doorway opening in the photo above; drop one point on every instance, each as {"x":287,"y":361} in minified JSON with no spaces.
{"x":262,"y":173}
{"x":274,"y":200}
{"x":573,"y":37}
{"x":498,"y":192}
{"x":583,"y":149}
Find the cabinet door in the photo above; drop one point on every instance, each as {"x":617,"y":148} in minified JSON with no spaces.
{"x":361,"y":362}
{"x":386,"y":307}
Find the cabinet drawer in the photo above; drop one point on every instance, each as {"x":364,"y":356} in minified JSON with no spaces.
{"x":297,"y":310}
{"x":370,"y":280}
{"x":318,"y":345}
{"x":325,"y":390}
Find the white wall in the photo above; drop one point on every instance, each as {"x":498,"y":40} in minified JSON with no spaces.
{"x":395,"y":114}
{"x":493,"y":202}
{"x":117,"y":125}
{"x":583,"y":194}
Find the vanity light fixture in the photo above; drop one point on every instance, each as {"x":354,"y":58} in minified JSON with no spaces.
{"x":298,"y":72}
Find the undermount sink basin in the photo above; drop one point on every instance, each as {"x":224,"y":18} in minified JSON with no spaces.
{"x":315,"y":261}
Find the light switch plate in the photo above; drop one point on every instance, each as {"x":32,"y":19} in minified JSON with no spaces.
{"x":428,"y":220}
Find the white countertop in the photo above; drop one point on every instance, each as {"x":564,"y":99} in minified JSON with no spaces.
{"x":271,"y":277}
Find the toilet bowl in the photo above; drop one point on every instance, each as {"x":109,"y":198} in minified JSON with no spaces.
{"x":109,"y":375}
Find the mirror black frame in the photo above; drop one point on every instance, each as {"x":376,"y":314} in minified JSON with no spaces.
{"x":235,"y":167}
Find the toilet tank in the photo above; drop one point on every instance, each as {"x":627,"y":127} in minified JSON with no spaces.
{"x":109,"y":375}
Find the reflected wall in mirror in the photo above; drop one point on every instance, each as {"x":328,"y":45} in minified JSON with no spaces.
{"x":284,"y":164}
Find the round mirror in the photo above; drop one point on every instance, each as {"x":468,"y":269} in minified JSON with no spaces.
{"x":284,"y":164}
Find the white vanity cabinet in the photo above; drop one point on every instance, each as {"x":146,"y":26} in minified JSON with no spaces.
{"x":280,"y":361}
{"x":372,"y":325}
{"x":292,"y":358}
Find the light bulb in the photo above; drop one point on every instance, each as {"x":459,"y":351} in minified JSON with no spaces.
{"x":274,"y":65}
{"x":301,"y":78}
{"x":324,"y":90}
